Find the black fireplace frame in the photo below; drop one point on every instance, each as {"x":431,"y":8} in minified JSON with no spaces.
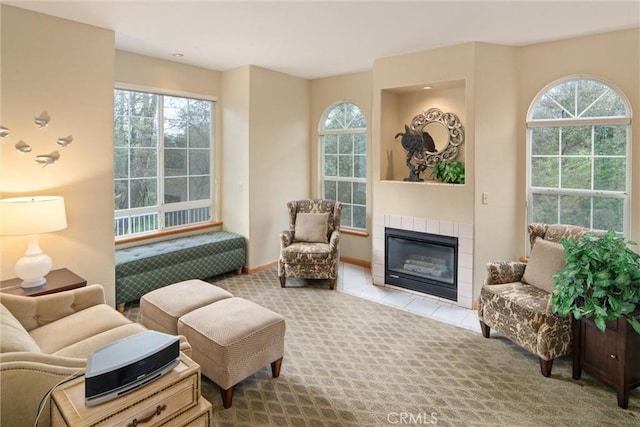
{"x":422,"y":284}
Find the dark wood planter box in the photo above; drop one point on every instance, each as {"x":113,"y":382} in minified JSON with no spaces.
{"x":612,"y":356}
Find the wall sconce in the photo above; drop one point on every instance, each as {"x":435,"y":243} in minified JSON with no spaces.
{"x":32,"y":216}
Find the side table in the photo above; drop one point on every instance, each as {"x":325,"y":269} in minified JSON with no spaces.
{"x":57,"y":281}
{"x":172,"y":400}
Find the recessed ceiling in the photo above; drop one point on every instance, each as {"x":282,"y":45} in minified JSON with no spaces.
{"x":313,"y":39}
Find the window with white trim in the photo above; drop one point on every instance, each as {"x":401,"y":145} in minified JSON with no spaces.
{"x":578,"y":156}
{"x":163,"y":155}
{"x":343,"y":141}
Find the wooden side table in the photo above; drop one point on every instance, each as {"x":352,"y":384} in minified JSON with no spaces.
{"x":57,"y":281}
{"x":172,"y":400}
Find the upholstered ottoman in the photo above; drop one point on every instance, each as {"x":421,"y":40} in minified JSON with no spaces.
{"x":161,"y":309}
{"x":232,"y":339}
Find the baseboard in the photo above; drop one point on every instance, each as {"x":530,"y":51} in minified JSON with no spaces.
{"x":356,"y":261}
{"x":246,"y":270}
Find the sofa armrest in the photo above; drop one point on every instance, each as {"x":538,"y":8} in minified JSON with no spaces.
{"x":25,"y":378}
{"x":504,"y":272}
{"x":334,"y":240}
{"x":33,"y":312}
{"x":286,"y":238}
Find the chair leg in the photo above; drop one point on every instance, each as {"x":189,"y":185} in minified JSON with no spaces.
{"x":275,"y":367}
{"x":486,"y":329}
{"x":332,"y":283}
{"x":545,"y":367}
{"x":283,"y":280}
{"x":227,"y":397}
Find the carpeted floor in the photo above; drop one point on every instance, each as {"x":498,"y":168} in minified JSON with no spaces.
{"x":353,"y":362}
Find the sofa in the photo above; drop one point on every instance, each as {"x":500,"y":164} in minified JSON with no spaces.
{"x":46,"y":339}
{"x":515,"y":299}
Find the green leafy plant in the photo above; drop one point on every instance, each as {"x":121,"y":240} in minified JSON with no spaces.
{"x":601,"y":280}
{"x":451,"y":171}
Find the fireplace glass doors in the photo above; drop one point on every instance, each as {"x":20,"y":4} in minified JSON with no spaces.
{"x":422,"y":262}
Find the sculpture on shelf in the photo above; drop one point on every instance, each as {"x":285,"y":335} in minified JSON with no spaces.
{"x":433,"y":136}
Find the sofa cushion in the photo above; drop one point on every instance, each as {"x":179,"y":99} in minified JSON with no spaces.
{"x":55,"y":336}
{"x":311,"y":227}
{"x":14,"y":337}
{"x":546,"y":259}
{"x":83,"y":348}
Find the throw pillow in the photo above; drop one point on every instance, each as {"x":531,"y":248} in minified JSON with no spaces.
{"x":311,"y":227}
{"x":546,"y":259}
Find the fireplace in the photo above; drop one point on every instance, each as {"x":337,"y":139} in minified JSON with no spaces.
{"x":422,"y":262}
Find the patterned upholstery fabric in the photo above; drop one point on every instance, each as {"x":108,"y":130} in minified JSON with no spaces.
{"x":311,"y":260}
{"x":522,"y":312}
{"x":141,"y":269}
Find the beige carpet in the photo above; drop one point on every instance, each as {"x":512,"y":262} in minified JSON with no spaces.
{"x":353,"y":362}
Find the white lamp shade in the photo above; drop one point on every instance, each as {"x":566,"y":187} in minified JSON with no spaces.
{"x":24,"y":216}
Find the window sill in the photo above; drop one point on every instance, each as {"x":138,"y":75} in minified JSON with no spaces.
{"x":354,"y":232}
{"x":165,"y":233}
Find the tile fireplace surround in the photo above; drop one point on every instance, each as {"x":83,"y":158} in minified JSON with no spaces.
{"x":464,"y":233}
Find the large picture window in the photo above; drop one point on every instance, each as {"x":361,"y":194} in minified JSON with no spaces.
{"x":163,"y":162}
{"x":343,"y":140}
{"x":579,"y":168}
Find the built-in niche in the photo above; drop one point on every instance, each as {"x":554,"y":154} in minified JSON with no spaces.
{"x":400,"y":106}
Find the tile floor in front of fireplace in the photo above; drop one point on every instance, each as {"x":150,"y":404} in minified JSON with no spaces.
{"x":357,"y":281}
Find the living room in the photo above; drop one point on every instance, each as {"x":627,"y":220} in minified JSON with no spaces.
{"x":266,"y":119}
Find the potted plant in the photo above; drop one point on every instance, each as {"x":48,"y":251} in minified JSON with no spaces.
{"x":601,"y":280}
{"x":449,"y":171}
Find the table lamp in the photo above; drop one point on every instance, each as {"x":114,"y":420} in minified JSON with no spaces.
{"x":32,"y":216}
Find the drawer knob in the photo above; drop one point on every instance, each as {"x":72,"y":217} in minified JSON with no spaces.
{"x":613,"y":356}
{"x":148,"y":418}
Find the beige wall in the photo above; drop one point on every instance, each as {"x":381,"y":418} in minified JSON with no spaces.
{"x":326,"y":92}
{"x":278,"y":157}
{"x":64,"y":68}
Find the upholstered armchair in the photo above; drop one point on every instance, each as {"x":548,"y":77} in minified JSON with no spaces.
{"x":515,"y":299}
{"x":310,"y":247}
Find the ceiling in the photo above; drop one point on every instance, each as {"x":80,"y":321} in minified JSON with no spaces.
{"x":313,"y":39}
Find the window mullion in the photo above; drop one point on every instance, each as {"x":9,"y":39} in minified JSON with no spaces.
{"x":160,"y":165}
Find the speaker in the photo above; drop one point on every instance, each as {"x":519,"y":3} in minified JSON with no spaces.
{"x":123,"y":366}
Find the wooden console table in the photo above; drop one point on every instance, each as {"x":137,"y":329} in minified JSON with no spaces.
{"x":611,"y":356}
{"x":172,"y":400}
{"x":57,"y":281}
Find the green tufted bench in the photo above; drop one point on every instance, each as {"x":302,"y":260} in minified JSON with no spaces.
{"x":141,"y":269}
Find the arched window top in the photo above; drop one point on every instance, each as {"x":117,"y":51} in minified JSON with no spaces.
{"x":345,"y":115}
{"x":578,"y":98}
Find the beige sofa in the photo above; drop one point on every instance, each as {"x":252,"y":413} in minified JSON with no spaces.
{"x":45,"y":339}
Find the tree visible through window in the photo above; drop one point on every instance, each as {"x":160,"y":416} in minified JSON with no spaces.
{"x":343,"y":136}
{"x":578,"y":163}
{"x":163,"y":158}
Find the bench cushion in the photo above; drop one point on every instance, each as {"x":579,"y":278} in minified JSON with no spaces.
{"x":141,"y":269}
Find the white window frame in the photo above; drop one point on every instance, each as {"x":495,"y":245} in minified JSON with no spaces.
{"x":322,"y":132}
{"x":161,"y":209}
{"x":587,"y":121}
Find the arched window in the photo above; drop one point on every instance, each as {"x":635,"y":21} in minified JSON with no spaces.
{"x":578,"y":156}
{"x":343,"y":141}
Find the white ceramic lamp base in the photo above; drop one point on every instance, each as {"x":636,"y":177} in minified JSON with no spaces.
{"x":34,"y":265}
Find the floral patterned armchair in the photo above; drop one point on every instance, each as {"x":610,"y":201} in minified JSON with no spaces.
{"x":310,"y":248}
{"x":515,"y":299}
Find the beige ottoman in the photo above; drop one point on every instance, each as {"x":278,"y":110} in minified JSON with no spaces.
{"x":232,"y":339}
{"x":160,"y":309}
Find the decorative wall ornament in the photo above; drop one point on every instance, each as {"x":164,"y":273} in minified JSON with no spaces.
{"x":433,"y":136}
{"x":41,"y":121}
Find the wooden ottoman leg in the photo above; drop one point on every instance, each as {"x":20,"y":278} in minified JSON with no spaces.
{"x":227,"y":397}
{"x":275,"y":368}
{"x":283,"y":281}
{"x":545,"y":367}
{"x":486,"y":330}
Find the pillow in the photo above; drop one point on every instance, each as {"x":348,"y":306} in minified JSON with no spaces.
{"x":546,"y":259}
{"x":14,"y":336}
{"x":311,"y":227}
